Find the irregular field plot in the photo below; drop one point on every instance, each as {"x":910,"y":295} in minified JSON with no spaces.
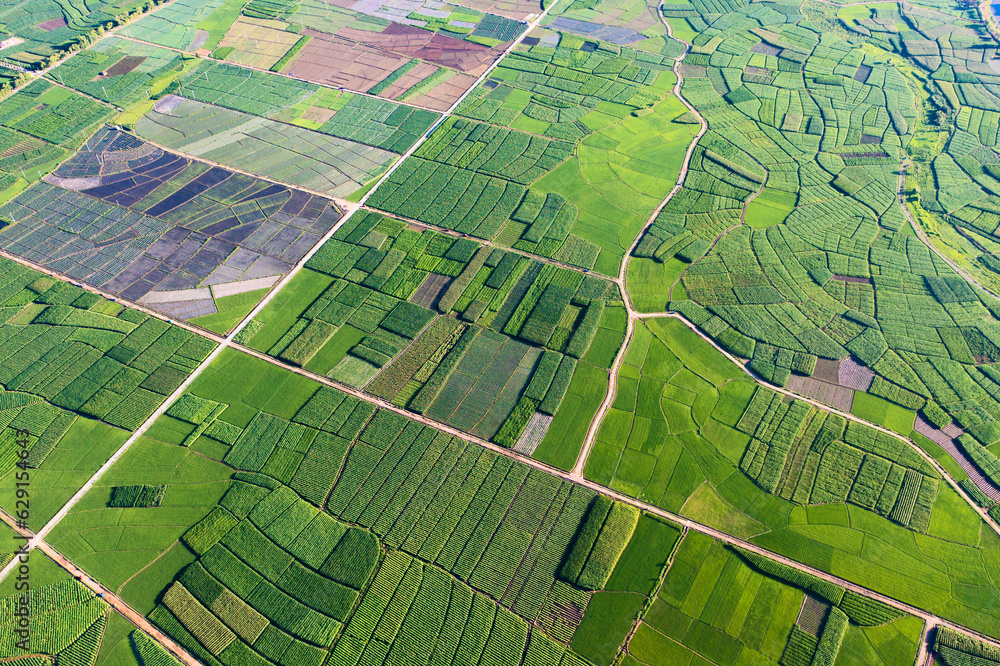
{"x":632,"y":22}
{"x":687,"y":431}
{"x":40,"y":122}
{"x":161,"y":229}
{"x":431,"y":498}
{"x":715,"y":605}
{"x":581,"y":204}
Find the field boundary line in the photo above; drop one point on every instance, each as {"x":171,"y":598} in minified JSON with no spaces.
{"x":116,"y":602}
{"x":631,"y":315}
{"x":482,"y":241}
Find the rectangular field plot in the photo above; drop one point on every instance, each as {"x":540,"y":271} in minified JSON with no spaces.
{"x":258,"y":43}
{"x":180,"y":25}
{"x":719,"y":604}
{"x":79,"y":372}
{"x":290,"y":558}
{"x":361,"y":314}
{"x":180,"y":236}
{"x":289,"y":154}
{"x":373,"y":122}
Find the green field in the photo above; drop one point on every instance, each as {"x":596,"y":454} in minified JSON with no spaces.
{"x":716,"y":607}
{"x":386,"y":480}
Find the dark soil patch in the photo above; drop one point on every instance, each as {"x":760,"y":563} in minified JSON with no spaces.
{"x":52,"y":24}
{"x":827,"y":371}
{"x":123,"y":66}
{"x":847,"y":278}
{"x":766,"y":49}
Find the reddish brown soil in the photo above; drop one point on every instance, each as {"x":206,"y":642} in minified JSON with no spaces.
{"x":52,"y":24}
{"x":123,"y":66}
{"x":418,"y":43}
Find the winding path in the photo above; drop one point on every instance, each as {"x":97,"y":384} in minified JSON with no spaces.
{"x":922,"y":235}
{"x":609,"y":398}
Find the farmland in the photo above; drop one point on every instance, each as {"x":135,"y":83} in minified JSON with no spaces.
{"x":689,"y":432}
{"x":36,"y":34}
{"x":720,"y":604}
{"x":39,"y":126}
{"x":577,"y":333}
{"x":253,"y":565}
{"x":594,"y":145}
{"x":80,"y":372}
{"x":470,"y":335}
{"x":292,"y":155}
{"x":188,"y":239}
{"x":424,"y":53}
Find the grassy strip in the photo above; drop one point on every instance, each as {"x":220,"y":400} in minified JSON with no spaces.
{"x":831,"y":592}
{"x":514,"y":425}
{"x":392,"y":78}
{"x":291,"y":53}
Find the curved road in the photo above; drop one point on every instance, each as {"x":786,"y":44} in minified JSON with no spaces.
{"x":609,"y":398}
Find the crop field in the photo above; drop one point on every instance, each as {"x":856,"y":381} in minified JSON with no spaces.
{"x":180,"y":25}
{"x":122,"y":72}
{"x":373,"y":122}
{"x":634,"y":23}
{"x":297,"y":156}
{"x":411,"y":514}
{"x":472,"y":336}
{"x":720,"y":605}
{"x":35,"y":30}
{"x":68,"y":623}
{"x":690,"y":433}
{"x":39,"y":125}
{"x":776,"y":224}
{"x":428,"y":53}
{"x":594,"y":148}
{"x":79,"y":372}
{"x":176,"y":235}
